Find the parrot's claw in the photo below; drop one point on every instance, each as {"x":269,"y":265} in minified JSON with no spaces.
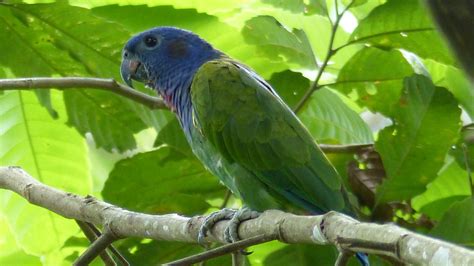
{"x":231,"y":233}
{"x":211,"y":220}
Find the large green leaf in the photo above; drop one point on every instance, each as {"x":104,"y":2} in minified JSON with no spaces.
{"x":403,"y":24}
{"x":276,"y":42}
{"x":414,"y":148}
{"x":56,"y":39}
{"x":172,"y":135}
{"x":451,"y":185}
{"x":300,"y":6}
{"x":374,"y":78}
{"x":290,"y":86}
{"x":330,"y":120}
{"x":457,"y":224}
{"x":453,"y":79}
{"x":162,"y":181}
{"x":10,"y":253}
{"x":48,"y":150}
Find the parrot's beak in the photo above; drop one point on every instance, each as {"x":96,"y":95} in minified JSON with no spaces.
{"x":133,"y":70}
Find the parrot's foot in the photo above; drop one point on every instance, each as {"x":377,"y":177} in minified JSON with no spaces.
{"x":231,"y":233}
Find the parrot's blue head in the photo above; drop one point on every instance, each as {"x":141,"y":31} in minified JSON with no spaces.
{"x":165,"y":58}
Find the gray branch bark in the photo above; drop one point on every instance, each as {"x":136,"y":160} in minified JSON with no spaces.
{"x":332,"y":228}
{"x":81,"y":82}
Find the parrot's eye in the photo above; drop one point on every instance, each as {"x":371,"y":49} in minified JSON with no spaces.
{"x":150,"y":41}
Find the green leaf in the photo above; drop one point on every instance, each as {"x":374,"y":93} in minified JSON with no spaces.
{"x":172,"y":135}
{"x":290,"y":86}
{"x":403,"y":24}
{"x":10,"y":253}
{"x":300,"y":6}
{"x":414,"y":148}
{"x":48,"y":150}
{"x":330,"y":120}
{"x":20,"y":258}
{"x":111,"y":123}
{"x":162,"y":181}
{"x":451,"y":185}
{"x":56,"y":39}
{"x":316,"y":7}
{"x":453,"y":79}
{"x":278,"y":43}
{"x":294,"y":6}
{"x":374,"y":78}
{"x":457,"y":225}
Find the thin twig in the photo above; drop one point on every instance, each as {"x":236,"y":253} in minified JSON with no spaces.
{"x":331,"y":52}
{"x":81,"y":82}
{"x":97,"y":247}
{"x":351,"y":148}
{"x":226,"y":199}
{"x":92,"y":235}
{"x":343,"y":257}
{"x":468,"y":167}
{"x":222,"y":250}
{"x":238,"y":258}
{"x":111,"y":248}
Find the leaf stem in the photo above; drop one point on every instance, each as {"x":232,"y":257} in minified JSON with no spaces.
{"x":331,"y":52}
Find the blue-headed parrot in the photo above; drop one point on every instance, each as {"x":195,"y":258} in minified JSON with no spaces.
{"x":236,"y":125}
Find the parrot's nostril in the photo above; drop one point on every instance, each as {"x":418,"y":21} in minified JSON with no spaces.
{"x":125,"y":54}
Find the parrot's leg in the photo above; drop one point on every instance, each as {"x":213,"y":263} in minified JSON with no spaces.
{"x":211,"y":220}
{"x":231,"y":233}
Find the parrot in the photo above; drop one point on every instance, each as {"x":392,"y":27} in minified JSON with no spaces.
{"x":237,"y":126}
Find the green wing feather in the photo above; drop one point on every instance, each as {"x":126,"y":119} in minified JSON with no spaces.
{"x":250,"y":126}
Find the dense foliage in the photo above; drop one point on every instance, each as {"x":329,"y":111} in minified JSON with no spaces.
{"x":387,"y":59}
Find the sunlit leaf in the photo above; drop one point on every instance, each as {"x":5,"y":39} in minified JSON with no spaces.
{"x":51,"y":152}
{"x":56,"y":39}
{"x":403,"y":146}
{"x":457,"y":225}
{"x":451,"y":185}
{"x":403,"y":24}
{"x":374,"y":78}
{"x":330,"y":120}
{"x":453,"y":79}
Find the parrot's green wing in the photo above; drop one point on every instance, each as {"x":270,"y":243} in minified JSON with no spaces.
{"x":249,"y":125}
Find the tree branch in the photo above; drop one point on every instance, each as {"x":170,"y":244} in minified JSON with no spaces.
{"x":329,"y":54}
{"x":331,"y":228}
{"x":81,"y":82}
{"x":350,"y":148}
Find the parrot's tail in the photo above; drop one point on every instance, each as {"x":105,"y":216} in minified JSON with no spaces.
{"x":363,"y":258}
